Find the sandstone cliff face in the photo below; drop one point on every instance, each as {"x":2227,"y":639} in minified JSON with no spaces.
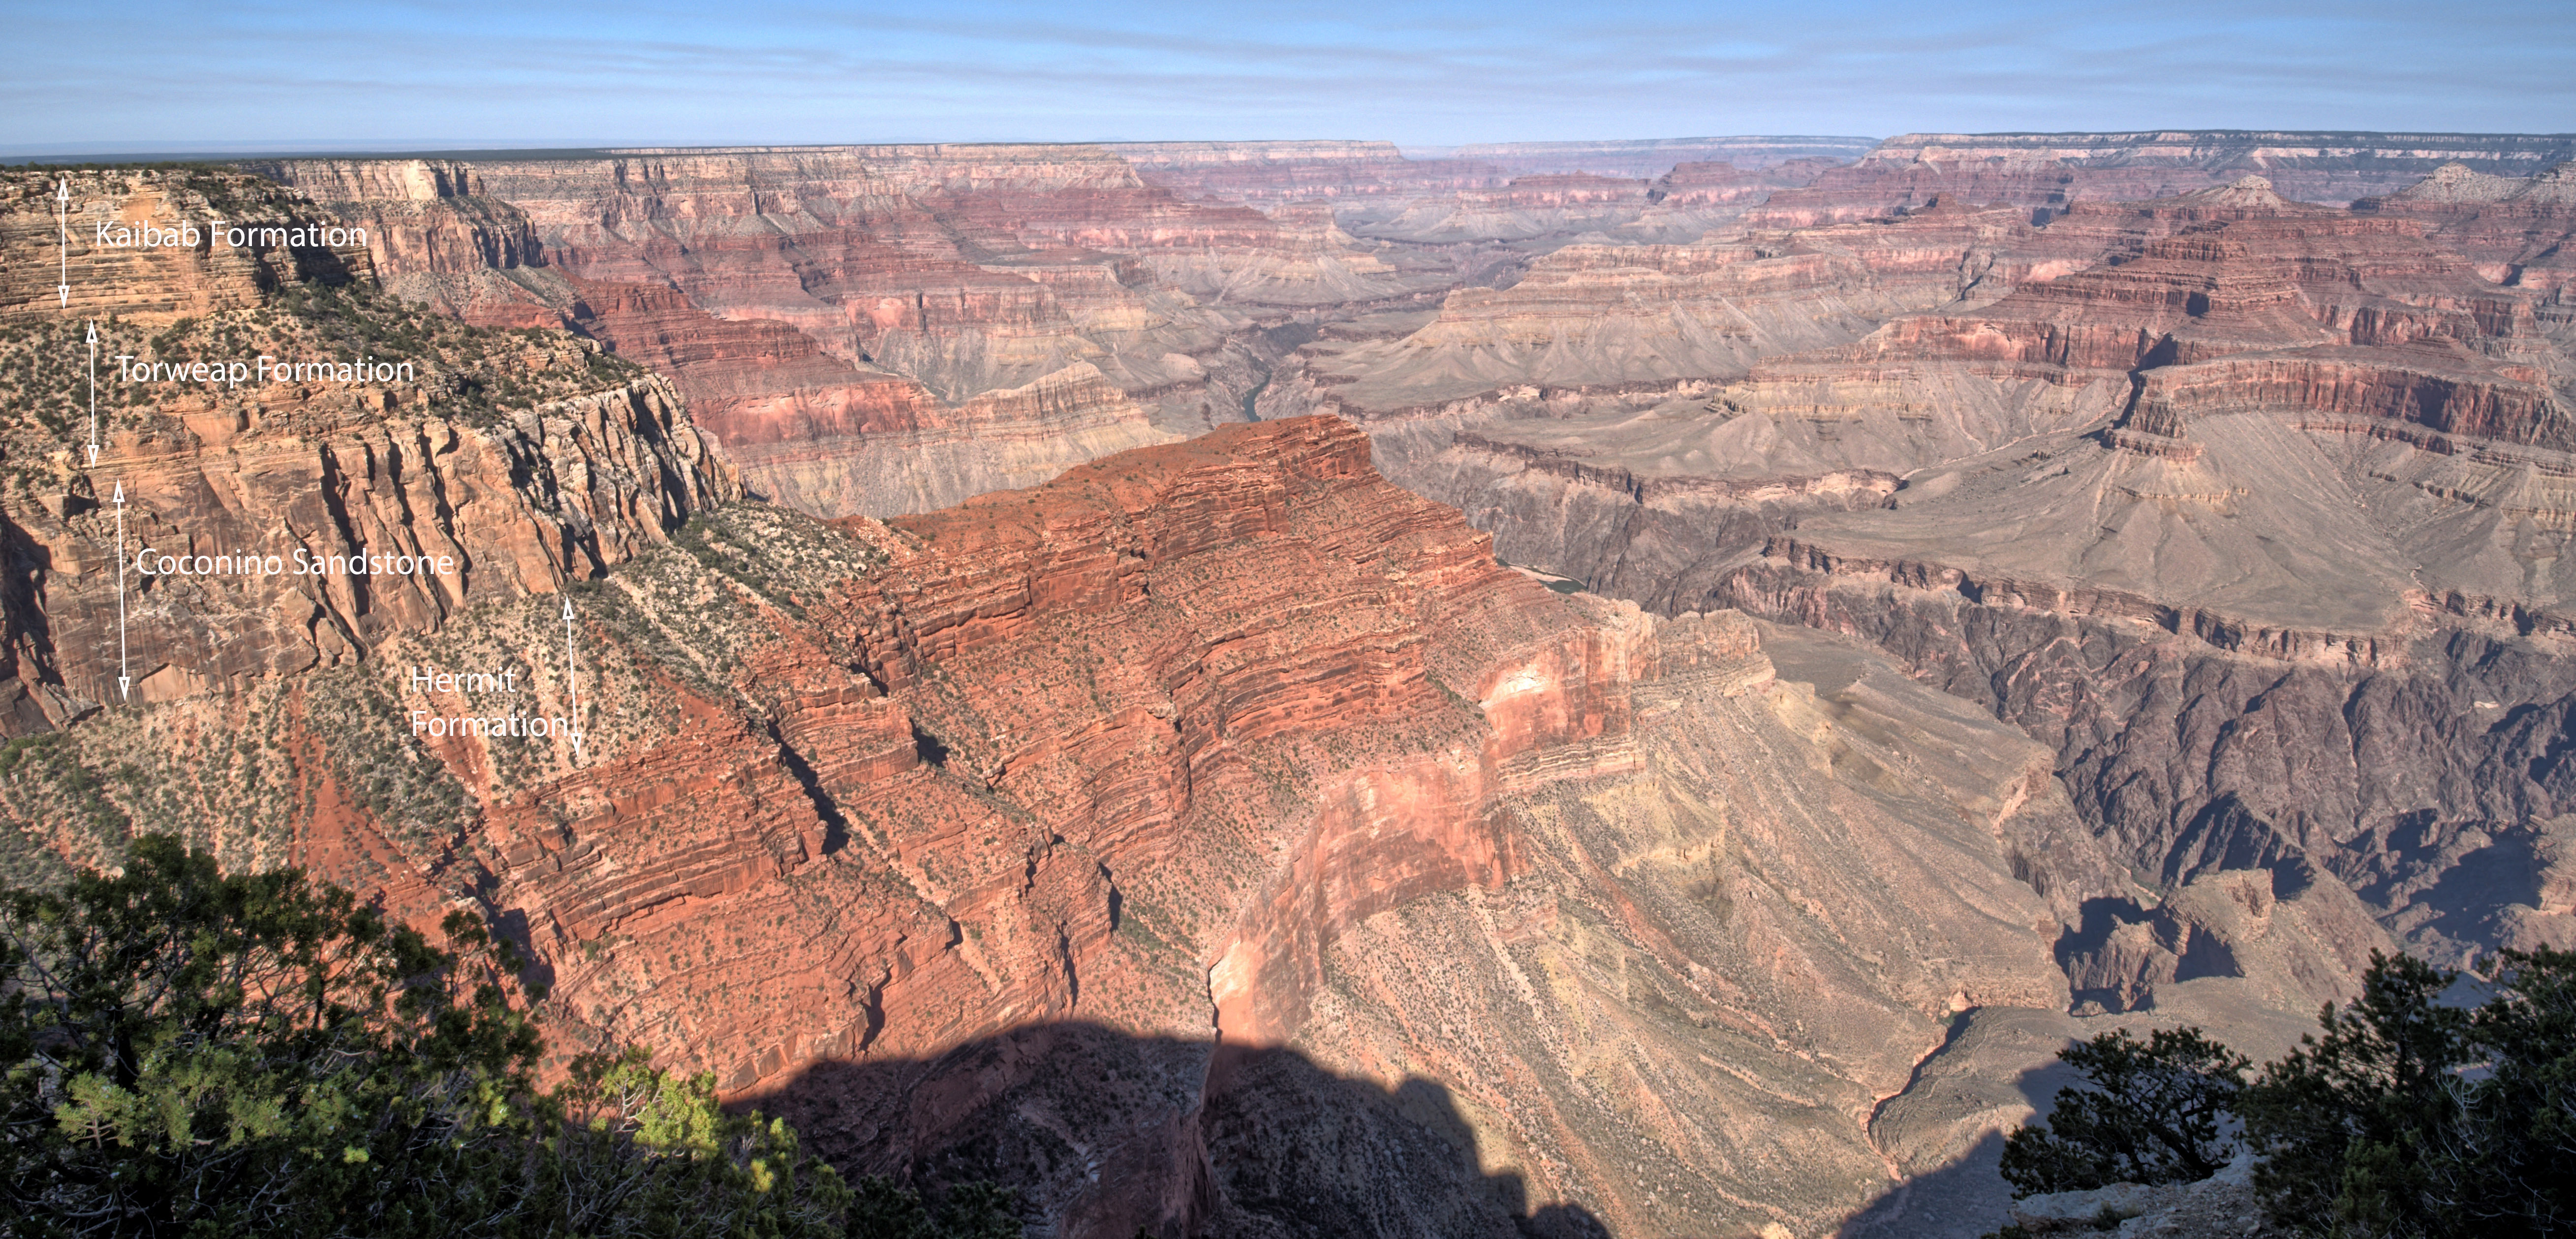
{"x":579,"y":467}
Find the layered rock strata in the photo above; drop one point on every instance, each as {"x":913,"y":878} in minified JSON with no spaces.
{"x":1603,"y":319}
{"x":511,"y":462}
{"x":934,"y":277}
{"x":2515,"y":228}
{"x":1043,"y":838}
{"x":2046,"y":172}
{"x":2244,"y":518}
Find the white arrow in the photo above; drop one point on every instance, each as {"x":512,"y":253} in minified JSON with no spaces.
{"x":124,"y":673}
{"x":572,"y":679}
{"x":63,"y":222}
{"x":93,"y":392}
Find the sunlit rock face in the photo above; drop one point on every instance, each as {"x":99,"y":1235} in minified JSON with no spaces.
{"x":581,"y":476}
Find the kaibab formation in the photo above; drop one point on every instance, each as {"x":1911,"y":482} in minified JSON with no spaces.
{"x":2031,"y":585}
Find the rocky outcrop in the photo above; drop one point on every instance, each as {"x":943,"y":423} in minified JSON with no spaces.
{"x":2223,"y":1204}
{"x":2515,"y":228}
{"x":258,"y":475}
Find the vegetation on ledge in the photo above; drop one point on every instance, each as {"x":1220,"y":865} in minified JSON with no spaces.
{"x":2409,"y":1115}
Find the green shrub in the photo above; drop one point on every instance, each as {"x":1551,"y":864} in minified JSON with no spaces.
{"x":193,"y":1053}
{"x":2406,"y":1116}
{"x":2151,"y":1112}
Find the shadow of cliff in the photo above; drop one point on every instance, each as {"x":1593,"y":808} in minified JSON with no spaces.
{"x":1967,"y":1196}
{"x":1962,"y":1200}
{"x":1106,"y":1135}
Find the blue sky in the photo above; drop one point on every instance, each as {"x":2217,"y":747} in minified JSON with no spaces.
{"x":267,"y":75}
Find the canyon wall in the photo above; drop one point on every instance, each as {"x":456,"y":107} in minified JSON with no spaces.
{"x":2247,"y":509}
{"x":883,"y":329}
{"x":1074,"y":836}
{"x":2158,"y":611}
{"x":835,"y":288}
{"x":1043,"y":837}
{"x":585,"y":463}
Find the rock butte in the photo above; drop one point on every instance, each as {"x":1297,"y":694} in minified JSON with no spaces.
{"x":1216,"y":838}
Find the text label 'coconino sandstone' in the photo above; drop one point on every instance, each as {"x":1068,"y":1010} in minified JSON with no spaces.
{"x":116,"y":234}
{"x":488,"y":726}
{"x":265,"y":370}
{"x":151,"y":562}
